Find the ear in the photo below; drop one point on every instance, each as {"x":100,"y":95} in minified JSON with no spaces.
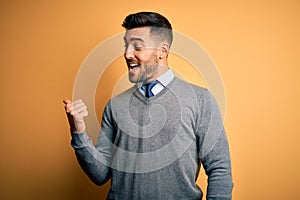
{"x":164,"y":50}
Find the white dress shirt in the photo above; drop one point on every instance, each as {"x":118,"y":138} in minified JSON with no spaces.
{"x":163,"y":81}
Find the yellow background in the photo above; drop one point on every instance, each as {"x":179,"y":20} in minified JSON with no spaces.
{"x":255,"y":45}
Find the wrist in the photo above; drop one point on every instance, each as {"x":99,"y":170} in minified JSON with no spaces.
{"x":78,"y":131}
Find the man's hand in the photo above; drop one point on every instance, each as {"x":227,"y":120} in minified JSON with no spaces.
{"x":76,"y":111}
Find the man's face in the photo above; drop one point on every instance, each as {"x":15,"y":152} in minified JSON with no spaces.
{"x":141,"y":55}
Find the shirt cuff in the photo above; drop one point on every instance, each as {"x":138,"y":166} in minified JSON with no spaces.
{"x":80,"y":140}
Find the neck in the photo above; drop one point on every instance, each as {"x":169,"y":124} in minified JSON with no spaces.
{"x":161,"y":70}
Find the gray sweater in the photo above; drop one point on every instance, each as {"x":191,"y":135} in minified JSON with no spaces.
{"x":152,"y":148}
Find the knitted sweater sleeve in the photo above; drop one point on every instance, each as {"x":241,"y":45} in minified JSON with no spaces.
{"x":214,"y":150}
{"x":95,"y":160}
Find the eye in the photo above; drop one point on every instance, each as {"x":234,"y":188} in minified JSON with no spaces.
{"x":138,"y":48}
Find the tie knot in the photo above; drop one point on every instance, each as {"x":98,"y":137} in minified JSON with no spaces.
{"x":148,"y":88}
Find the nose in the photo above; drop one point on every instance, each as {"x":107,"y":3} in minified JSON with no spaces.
{"x":129,"y":53}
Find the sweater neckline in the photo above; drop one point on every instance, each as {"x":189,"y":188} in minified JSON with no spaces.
{"x":141,"y":97}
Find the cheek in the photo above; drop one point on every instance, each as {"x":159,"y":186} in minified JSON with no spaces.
{"x":145,"y":56}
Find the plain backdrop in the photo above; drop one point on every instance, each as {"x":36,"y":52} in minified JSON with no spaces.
{"x":254,"y":44}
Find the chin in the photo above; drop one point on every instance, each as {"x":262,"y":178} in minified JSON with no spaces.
{"x":132,"y":80}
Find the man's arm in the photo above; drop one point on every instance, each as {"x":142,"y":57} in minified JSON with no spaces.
{"x":214,"y":150}
{"x":218,"y":169}
{"x":89,"y":157}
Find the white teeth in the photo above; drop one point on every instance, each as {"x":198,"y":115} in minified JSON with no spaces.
{"x":133,"y":65}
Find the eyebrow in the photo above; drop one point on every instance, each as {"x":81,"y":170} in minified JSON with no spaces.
{"x":134,"y":39}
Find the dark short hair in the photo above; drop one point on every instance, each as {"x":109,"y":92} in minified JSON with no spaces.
{"x":159,"y":24}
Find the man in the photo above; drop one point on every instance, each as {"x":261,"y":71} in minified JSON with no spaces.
{"x":155,"y":135}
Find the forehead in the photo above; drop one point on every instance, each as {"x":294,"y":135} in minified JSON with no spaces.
{"x":139,"y":33}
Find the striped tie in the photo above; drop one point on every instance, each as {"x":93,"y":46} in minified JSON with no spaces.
{"x":148,"y":87}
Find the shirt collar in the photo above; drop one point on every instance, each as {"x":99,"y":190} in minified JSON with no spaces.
{"x":166,"y":77}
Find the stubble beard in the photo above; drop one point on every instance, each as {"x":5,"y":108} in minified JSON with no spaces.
{"x":150,"y":69}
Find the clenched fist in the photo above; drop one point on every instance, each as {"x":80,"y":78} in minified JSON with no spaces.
{"x":76,"y":111}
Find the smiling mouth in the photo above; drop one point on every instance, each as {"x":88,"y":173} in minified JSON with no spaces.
{"x":133,"y":65}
